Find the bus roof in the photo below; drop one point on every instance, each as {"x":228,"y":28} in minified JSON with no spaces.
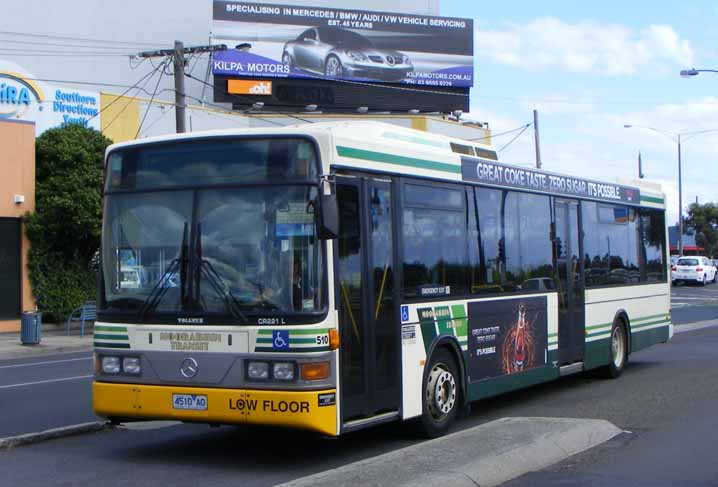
{"x":389,"y":148}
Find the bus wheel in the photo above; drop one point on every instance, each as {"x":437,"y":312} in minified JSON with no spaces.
{"x":619,"y":351}
{"x":441,"y":394}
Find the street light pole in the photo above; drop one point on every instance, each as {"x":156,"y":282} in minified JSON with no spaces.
{"x":678,"y":138}
{"x":680,"y":200}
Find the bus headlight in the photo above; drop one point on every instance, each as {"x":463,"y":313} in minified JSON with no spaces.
{"x":258,"y":370}
{"x":131,"y":365}
{"x":283,"y":371}
{"x":111,"y":365}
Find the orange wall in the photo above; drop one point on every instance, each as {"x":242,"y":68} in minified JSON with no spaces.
{"x":17,"y":176}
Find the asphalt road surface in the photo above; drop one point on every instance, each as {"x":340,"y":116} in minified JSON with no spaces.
{"x":666,"y":398}
{"x":687,"y":295}
{"x":45,"y":392}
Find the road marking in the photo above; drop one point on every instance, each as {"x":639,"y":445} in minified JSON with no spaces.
{"x":45,"y":363}
{"x":694,"y":326}
{"x":705,"y":298}
{"x":46,"y":381}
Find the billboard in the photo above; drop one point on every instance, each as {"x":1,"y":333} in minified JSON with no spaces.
{"x":342,"y":44}
{"x":507,"y":336}
{"x":23,"y":97}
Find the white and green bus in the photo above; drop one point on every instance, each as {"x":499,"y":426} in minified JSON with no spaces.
{"x":333,"y":276}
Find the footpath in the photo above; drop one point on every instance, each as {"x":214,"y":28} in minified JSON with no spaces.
{"x":52,"y":341}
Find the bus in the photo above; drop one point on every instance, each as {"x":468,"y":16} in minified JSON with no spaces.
{"x":335,"y":276}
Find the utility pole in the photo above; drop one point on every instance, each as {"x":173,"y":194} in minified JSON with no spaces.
{"x":536,"y":140}
{"x":640,"y":167}
{"x":178,"y":60}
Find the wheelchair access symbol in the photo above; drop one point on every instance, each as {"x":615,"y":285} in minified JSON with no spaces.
{"x":404,"y":314}
{"x":280,"y":339}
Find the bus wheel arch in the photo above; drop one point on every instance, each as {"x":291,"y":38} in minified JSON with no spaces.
{"x":444,"y":370}
{"x":622,"y":315}
{"x":618,"y":343}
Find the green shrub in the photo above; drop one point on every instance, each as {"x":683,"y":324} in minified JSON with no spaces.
{"x":64,"y":230}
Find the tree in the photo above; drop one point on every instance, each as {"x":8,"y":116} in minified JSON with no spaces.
{"x":64,"y":230}
{"x":704,"y":221}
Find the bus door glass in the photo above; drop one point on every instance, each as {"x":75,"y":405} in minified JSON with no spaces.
{"x":365,"y":295}
{"x":569,"y":281}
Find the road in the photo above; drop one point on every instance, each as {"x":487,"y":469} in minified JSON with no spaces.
{"x":666,"y":399}
{"x":688,"y":295}
{"x":42,"y":393}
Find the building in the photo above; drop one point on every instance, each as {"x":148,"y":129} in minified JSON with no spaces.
{"x":71,"y":66}
{"x":690,"y":247}
{"x":17,"y":196}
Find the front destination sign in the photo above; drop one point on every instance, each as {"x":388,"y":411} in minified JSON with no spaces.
{"x":482,"y":171}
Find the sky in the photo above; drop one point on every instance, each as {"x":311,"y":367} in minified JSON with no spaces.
{"x":590,"y":69}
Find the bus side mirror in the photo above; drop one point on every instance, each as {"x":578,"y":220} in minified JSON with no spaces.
{"x":328,"y":217}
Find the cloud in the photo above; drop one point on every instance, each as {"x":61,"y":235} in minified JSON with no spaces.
{"x":594,"y":144}
{"x":583,"y":47}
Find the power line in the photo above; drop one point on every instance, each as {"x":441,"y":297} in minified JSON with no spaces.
{"x":142,"y":122}
{"x":514,"y":138}
{"x":82,"y":39}
{"x":146,"y":80}
{"x":523,"y":127}
{"x":47,"y":54}
{"x":44,"y":43}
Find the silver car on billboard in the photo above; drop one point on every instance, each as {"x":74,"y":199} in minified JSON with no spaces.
{"x":341,"y":53}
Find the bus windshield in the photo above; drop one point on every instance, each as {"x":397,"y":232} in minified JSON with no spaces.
{"x":228,"y":254}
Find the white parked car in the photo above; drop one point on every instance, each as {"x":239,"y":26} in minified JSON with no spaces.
{"x":694,"y":269}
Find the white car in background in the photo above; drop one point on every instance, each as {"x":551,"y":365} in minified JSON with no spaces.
{"x":694,"y":269}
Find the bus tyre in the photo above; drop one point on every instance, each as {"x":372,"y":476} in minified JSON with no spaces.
{"x":442,"y":395}
{"x":618,"y":351}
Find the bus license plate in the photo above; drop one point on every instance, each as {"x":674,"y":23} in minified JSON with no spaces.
{"x":196,"y":402}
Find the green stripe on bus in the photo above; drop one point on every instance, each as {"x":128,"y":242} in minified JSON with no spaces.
{"x":602,"y":325}
{"x":292,"y":350}
{"x":634,"y":320}
{"x":100,"y":336}
{"x":651,"y":323}
{"x":297,"y":332}
{"x":368,"y":155}
{"x":458,"y":311}
{"x":112,"y":345}
{"x":651,"y":199}
{"x":291,"y":340}
{"x":644,"y":318}
{"x":111,"y":328}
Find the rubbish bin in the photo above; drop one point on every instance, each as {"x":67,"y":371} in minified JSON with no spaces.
{"x":30,"y":327}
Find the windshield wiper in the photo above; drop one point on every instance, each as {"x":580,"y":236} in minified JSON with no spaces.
{"x":158,"y":292}
{"x":215,"y":280}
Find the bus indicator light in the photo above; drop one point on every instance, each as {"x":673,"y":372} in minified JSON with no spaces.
{"x":314,"y":370}
{"x":333,"y":339}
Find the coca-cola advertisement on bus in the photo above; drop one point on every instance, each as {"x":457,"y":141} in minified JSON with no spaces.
{"x":507,"y":336}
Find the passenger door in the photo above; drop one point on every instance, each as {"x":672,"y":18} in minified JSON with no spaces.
{"x":568,"y":249}
{"x":369,"y":330}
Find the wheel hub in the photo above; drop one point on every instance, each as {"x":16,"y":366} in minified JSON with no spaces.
{"x":617,"y":347}
{"x":441,"y":391}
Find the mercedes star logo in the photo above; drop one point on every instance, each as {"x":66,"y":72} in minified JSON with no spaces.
{"x":189,"y":367}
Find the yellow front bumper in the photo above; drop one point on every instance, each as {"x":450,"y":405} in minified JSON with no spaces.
{"x":298,"y":409}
